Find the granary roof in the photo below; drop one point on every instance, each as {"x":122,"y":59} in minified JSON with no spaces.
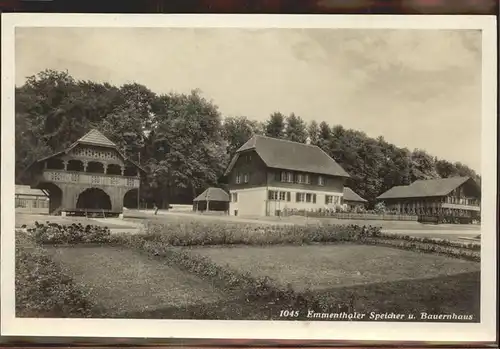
{"x":351,"y":195}
{"x":294,"y":156}
{"x":94,"y":137}
{"x":425,"y":188}
{"x":26,"y":190}
{"x":213,"y":194}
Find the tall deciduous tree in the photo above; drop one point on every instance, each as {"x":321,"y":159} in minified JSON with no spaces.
{"x":238,"y":130}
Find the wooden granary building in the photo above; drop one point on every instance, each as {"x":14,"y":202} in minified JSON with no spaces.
{"x":91,"y":177}
{"x":444,"y":200}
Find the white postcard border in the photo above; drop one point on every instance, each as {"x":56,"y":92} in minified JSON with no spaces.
{"x":357,"y":331}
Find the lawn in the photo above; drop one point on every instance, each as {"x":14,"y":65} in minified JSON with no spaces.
{"x":121,"y":280}
{"x":331,"y":266}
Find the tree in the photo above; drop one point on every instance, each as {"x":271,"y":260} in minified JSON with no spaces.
{"x":313,"y":132}
{"x":187,"y":148}
{"x":238,"y":130}
{"x":275,"y":126}
{"x":295,"y":129}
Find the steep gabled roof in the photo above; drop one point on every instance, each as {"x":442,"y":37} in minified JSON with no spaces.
{"x":94,"y":137}
{"x":425,"y":188}
{"x":293,"y":156}
{"x":351,"y":195}
{"x":213,"y":194}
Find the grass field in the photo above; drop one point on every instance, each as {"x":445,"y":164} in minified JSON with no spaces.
{"x":122,"y":280}
{"x":321,"y":267}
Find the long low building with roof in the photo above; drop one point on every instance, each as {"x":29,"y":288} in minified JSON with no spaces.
{"x":442,"y":200}
{"x":269,"y":176}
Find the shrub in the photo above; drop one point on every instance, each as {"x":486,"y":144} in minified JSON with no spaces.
{"x":42,"y":288}
{"x":218,"y":233}
{"x":52,"y":233}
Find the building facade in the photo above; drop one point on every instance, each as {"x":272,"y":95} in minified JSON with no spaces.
{"x":269,"y":176}
{"x":212,"y":199}
{"x":455,"y":199}
{"x":31,"y":200}
{"x":90,"y":177}
{"x":353,"y":201}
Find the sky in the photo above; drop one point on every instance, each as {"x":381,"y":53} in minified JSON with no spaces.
{"x":416,"y":88}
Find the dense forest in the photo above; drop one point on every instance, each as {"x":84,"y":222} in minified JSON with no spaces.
{"x":184,"y":142}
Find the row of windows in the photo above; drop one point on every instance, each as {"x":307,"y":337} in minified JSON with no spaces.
{"x":275,"y":195}
{"x":37,"y":203}
{"x":303,"y":178}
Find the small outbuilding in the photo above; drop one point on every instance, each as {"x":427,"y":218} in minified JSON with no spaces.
{"x":353,"y":200}
{"x":212,"y":199}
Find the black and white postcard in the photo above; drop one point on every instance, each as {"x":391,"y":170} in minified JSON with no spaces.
{"x":249,"y":177}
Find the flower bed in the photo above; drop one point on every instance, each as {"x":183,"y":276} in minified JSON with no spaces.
{"x":52,"y":233}
{"x":200,"y":234}
{"x":42,"y":288}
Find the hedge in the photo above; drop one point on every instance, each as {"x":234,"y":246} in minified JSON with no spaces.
{"x":219,"y":233}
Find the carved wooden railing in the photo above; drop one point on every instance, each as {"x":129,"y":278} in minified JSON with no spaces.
{"x":90,"y":178}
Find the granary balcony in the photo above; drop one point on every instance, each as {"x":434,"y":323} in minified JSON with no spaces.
{"x":76,"y":177}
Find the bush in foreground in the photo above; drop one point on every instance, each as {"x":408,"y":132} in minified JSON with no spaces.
{"x":42,"y":288}
{"x":52,"y":233}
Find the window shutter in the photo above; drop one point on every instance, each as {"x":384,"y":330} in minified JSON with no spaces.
{"x":297,"y":197}
{"x":314,"y":198}
{"x":288,"y":196}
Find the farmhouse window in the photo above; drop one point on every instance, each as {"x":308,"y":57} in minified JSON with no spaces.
{"x":289,"y":177}
{"x":308,"y":197}
{"x":300,"y":178}
{"x":235,"y":197}
{"x":273,"y":195}
{"x":246,"y":177}
{"x":328,"y":199}
{"x":282,"y":195}
{"x":307,"y":179}
{"x":283,"y":176}
{"x":300,"y":197}
{"x":321,"y":180}
{"x":238,"y":178}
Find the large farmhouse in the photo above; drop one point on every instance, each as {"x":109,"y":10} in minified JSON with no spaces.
{"x":447,"y":199}
{"x":89,"y":177}
{"x":269,"y":175}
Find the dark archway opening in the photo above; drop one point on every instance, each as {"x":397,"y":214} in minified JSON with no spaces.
{"x":93,"y":199}
{"x":130,"y":199}
{"x":55,"y":164}
{"x":75,"y":165}
{"x":114,"y":169}
{"x":95,"y":167}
